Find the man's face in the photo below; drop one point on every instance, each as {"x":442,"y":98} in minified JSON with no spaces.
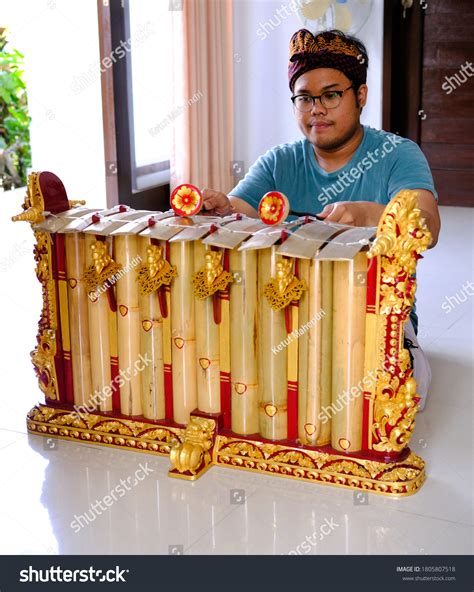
{"x":328,"y":129}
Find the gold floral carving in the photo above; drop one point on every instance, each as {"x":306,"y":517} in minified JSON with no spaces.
{"x":393,"y":478}
{"x":245,"y":449}
{"x":43,"y":361}
{"x":394,"y":413}
{"x":390,"y":300}
{"x":156,"y":273}
{"x":211,"y":277}
{"x":42,"y":356}
{"x":285,"y":287}
{"x":99,"y":429}
{"x":293,"y":457}
{"x":43,"y":258}
{"x":402,"y":233}
{"x":402,"y":236}
{"x":348,"y":468}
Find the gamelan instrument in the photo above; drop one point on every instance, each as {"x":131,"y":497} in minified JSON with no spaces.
{"x":269,"y":344}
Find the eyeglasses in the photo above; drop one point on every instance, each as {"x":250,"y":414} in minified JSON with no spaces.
{"x":329,"y":99}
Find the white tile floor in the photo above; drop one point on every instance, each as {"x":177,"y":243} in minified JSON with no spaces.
{"x":46,"y":483}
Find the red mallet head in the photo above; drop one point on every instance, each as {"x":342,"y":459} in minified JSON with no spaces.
{"x":273,"y":208}
{"x":186,"y":200}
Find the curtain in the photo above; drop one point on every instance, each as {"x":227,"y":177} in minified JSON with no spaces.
{"x":202,"y":90}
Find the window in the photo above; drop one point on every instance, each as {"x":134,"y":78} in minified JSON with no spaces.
{"x":141,"y":43}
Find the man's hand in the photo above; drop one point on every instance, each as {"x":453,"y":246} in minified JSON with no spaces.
{"x":368,"y":213}
{"x":216,"y":203}
{"x":353,"y":213}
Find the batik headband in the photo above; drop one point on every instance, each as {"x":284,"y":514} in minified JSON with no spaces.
{"x":326,"y":50}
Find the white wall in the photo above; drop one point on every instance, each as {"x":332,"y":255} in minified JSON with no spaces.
{"x":60,"y":41}
{"x":261,"y":71}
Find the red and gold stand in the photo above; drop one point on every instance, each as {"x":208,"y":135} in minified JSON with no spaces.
{"x":382,"y":463}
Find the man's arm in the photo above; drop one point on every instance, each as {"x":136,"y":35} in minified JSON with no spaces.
{"x":367,"y":213}
{"x":243,"y":207}
{"x":219,"y":204}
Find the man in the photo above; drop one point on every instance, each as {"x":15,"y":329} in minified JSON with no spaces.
{"x":343,"y":171}
{"x":347,"y":170}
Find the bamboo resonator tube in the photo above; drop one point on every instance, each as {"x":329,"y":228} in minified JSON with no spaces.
{"x":75,"y":245}
{"x":243,"y":342}
{"x":152,"y":348}
{"x":272,"y":361}
{"x":207,"y":345}
{"x":315,"y":353}
{"x":128,"y":326}
{"x":349,"y":304}
{"x":176,"y":330}
{"x":102,"y":331}
{"x":183,"y":332}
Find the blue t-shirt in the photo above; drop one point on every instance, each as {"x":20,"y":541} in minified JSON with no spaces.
{"x":382,"y":165}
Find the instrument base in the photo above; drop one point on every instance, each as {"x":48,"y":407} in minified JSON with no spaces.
{"x":195,"y":448}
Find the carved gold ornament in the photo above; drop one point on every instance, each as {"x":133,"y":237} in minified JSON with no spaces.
{"x":402,"y":233}
{"x":391,"y":300}
{"x":193,"y":454}
{"x":402,"y":236}
{"x":33,"y":204}
{"x":76,"y":202}
{"x":103,"y":267}
{"x":211,"y":277}
{"x":156,"y":272}
{"x":285,"y":287}
{"x":196,"y":448}
{"x":398,"y":478}
{"x":394,"y":413}
{"x":99,"y":429}
{"x":43,"y":355}
{"x":43,"y":362}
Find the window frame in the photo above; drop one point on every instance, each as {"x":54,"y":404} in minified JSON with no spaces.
{"x":153,"y":198}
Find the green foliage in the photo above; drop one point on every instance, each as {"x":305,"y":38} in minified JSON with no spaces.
{"x":15,"y":151}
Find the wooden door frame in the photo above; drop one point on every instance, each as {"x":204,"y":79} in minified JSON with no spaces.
{"x":117,"y":110}
{"x":402,"y":69}
{"x":108,"y":108}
